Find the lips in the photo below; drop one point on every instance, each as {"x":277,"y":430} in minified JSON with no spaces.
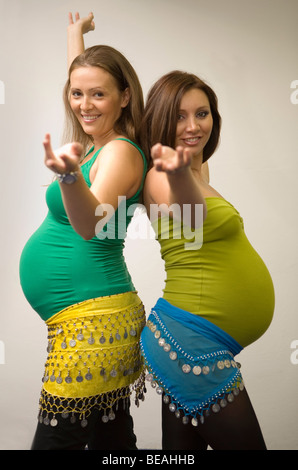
{"x":191,"y":140}
{"x":89,"y":118}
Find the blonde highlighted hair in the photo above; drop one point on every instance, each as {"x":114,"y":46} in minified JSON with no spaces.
{"x":113,"y":62}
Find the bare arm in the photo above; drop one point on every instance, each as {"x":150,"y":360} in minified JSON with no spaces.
{"x":89,"y":209}
{"x":75,"y":35}
{"x":171,"y":181}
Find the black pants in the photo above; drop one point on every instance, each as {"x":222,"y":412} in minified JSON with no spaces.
{"x":113,"y":435}
{"x":235,"y":427}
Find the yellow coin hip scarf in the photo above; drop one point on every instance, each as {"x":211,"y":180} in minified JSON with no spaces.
{"x":94,"y":359}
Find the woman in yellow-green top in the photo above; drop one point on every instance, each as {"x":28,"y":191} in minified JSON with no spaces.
{"x":72,"y":269}
{"x":218,"y":296}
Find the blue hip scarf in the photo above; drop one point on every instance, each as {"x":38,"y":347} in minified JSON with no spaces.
{"x":190,"y":361}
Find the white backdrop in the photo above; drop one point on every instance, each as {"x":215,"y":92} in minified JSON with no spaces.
{"x":247,"y":51}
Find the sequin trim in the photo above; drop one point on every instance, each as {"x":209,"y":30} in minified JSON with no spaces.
{"x":94,"y":359}
{"x":202,"y":365}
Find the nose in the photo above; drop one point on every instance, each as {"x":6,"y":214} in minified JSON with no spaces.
{"x":192,"y":124}
{"x":86,"y":104}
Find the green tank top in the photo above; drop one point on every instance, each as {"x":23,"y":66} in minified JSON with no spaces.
{"x":58,"y":268}
{"x":225,"y":281}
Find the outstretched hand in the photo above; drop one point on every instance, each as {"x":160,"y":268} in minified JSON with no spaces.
{"x":64,"y":160}
{"x":86,"y":24}
{"x":170,"y":160}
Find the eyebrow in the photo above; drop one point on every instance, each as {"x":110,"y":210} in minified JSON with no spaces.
{"x":91,"y":89}
{"x":199,"y":108}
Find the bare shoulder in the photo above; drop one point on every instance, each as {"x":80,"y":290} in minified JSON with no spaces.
{"x":121,"y":148}
{"x":121,"y":164}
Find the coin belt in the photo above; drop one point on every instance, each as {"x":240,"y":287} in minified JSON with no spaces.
{"x":93,"y":361}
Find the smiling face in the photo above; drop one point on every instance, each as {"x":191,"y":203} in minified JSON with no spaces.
{"x":195,"y":121}
{"x":96,"y":102}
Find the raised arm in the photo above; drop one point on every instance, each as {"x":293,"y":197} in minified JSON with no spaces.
{"x":75,"y":35}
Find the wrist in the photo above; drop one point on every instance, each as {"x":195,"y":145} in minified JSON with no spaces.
{"x":68,"y":178}
{"x":181,"y":172}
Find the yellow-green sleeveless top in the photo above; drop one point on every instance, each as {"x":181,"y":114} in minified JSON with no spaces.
{"x":225,"y":281}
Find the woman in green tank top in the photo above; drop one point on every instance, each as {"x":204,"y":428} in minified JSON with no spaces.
{"x":72,"y":269}
{"x":218,"y":294}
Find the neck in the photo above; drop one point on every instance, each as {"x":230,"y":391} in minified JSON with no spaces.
{"x":100,"y":141}
{"x":197,"y":162}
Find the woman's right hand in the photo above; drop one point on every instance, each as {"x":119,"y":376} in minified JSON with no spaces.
{"x":85,"y":24}
{"x":170,"y":160}
{"x":66,"y":159}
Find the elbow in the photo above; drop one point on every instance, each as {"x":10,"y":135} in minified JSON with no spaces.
{"x":86,"y":235}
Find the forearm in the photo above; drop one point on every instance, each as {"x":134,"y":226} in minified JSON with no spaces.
{"x":75,"y":43}
{"x":184,"y":191}
{"x":81,"y":207}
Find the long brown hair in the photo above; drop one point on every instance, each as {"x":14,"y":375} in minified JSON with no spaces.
{"x":162,"y":108}
{"x":113,"y":62}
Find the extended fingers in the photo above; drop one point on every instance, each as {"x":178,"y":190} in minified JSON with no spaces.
{"x":49,"y":154}
{"x":185,"y":157}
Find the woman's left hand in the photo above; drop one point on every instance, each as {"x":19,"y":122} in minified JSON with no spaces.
{"x":64,"y":160}
{"x":85,"y":24}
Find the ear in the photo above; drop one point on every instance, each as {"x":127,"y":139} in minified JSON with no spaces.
{"x":125,"y":97}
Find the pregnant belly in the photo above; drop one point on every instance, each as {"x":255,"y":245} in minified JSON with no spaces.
{"x":236,"y":294}
{"x":241,"y":298}
{"x":45,"y":274}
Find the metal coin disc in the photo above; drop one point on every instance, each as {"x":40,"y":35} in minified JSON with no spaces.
{"x":173,"y":355}
{"x":84,"y":423}
{"x":197,"y":370}
{"x":186,"y":368}
{"x":88,"y":376}
{"x":79,"y":378}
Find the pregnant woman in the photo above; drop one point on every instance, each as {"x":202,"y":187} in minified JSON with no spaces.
{"x":72,"y":269}
{"x":218,"y":295}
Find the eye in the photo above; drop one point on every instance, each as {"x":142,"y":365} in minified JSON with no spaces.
{"x":202,"y":114}
{"x":75,"y":93}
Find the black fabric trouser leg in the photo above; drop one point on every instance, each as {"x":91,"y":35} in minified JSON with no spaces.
{"x":114,"y":435}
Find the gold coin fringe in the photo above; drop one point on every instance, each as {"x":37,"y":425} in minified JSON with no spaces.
{"x":80,"y":408}
{"x":94,"y":361}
